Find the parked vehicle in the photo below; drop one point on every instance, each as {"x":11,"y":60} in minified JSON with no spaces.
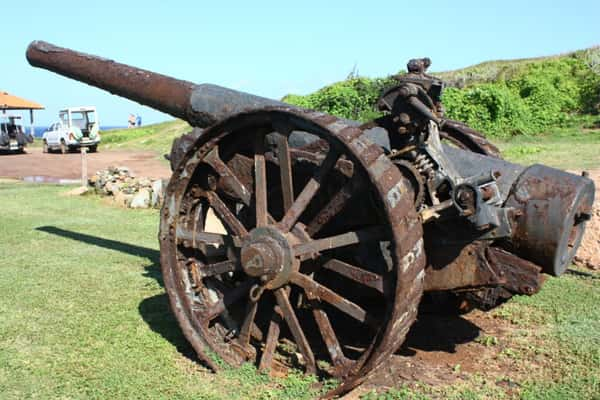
{"x":77,"y":127}
{"x":12,"y":134}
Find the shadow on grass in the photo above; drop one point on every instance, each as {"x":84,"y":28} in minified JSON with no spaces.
{"x":154,"y":310}
{"x":431,"y":332}
{"x":152,"y":271}
{"x":157,"y":313}
{"x":438,"y":332}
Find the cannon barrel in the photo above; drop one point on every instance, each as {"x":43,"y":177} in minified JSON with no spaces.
{"x":200,"y":105}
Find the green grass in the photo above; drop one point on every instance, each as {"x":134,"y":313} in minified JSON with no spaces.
{"x":83,"y":313}
{"x":157,"y":137}
{"x":554,"y":344}
{"x":576,"y":147}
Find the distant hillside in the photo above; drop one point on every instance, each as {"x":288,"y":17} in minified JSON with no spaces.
{"x":500,"y":98}
{"x":492,"y":71}
{"x":157,"y":137}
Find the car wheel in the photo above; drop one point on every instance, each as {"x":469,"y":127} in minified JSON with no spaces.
{"x":45,"y":147}
{"x":93,"y":148}
{"x":63,"y":147}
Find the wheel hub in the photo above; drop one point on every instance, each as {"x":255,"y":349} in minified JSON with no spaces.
{"x":267,"y":254}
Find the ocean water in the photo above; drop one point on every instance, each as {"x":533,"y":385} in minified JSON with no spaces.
{"x":39,"y":130}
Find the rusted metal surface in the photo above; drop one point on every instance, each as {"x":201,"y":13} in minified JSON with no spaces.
{"x":519,"y":276}
{"x":551,"y":210}
{"x":276,"y":251}
{"x":329,"y":240}
{"x":201,"y":105}
{"x":455,"y":268}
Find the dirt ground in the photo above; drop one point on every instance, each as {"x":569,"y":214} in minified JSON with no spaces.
{"x":54,"y":166}
{"x":588,"y":254}
{"x":441,"y":350}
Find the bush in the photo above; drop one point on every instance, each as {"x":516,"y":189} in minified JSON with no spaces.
{"x":353,"y":98}
{"x":544,"y":94}
{"x":534,"y":96}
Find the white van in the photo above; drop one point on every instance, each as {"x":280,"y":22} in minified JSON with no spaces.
{"x":77,"y":127}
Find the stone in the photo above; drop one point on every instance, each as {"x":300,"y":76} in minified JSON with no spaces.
{"x":141,"y":199}
{"x":113,"y":187}
{"x":78,"y":191}
{"x":158,"y":193}
{"x":122,"y":199}
{"x":145,"y":182}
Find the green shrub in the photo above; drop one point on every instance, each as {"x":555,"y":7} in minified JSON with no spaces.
{"x":353,"y":98}
{"x":543,"y":94}
{"x":527,"y":98}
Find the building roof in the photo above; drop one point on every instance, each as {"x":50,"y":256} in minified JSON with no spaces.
{"x":10,"y":102}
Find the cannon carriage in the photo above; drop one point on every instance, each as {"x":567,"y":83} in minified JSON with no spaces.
{"x":326,"y":240}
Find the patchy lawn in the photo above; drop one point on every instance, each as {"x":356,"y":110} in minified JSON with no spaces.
{"x":83,"y":313}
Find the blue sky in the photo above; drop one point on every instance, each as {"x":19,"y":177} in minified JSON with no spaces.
{"x":272,"y":48}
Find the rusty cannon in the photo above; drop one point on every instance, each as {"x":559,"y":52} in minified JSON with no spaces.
{"x":331,"y":233}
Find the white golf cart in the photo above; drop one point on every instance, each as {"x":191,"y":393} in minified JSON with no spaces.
{"x":12,"y":135}
{"x":77,"y":127}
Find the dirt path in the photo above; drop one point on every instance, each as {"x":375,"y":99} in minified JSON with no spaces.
{"x":441,"y":350}
{"x":68,"y":166}
{"x":588,"y":254}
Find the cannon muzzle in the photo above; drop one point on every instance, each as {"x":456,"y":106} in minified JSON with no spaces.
{"x":200,"y":105}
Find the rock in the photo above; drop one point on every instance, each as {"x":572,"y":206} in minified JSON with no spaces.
{"x":99,"y":184}
{"x":110,"y":187}
{"x":129,"y":188}
{"x":78,"y":191}
{"x":158,"y":193}
{"x":141,"y":199}
{"x":123,"y":199}
{"x":145,"y":182}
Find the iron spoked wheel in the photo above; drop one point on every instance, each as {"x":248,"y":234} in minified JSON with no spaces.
{"x":466,"y":138}
{"x":317,"y":262}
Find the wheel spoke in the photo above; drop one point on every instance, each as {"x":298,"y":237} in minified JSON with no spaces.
{"x":266,"y":359}
{"x":246,"y":330}
{"x":219,"y":268}
{"x":328,"y":334}
{"x":285,"y":170}
{"x":229,"y":297}
{"x":333,"y":207}
{"x":329,"y":337}
{"x":345,"y":239}
{"x":315,"y":290}
{"x":202,"y":237}
{"x":225,"y":213}
{"x":309,"y":191}
{"x":228,"y":177}
{"x":260,"y":181}
{"x":356,"y":274}
{"x":292,"y":321}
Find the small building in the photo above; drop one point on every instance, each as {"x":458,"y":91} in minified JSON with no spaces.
{"x":9,"y":102}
